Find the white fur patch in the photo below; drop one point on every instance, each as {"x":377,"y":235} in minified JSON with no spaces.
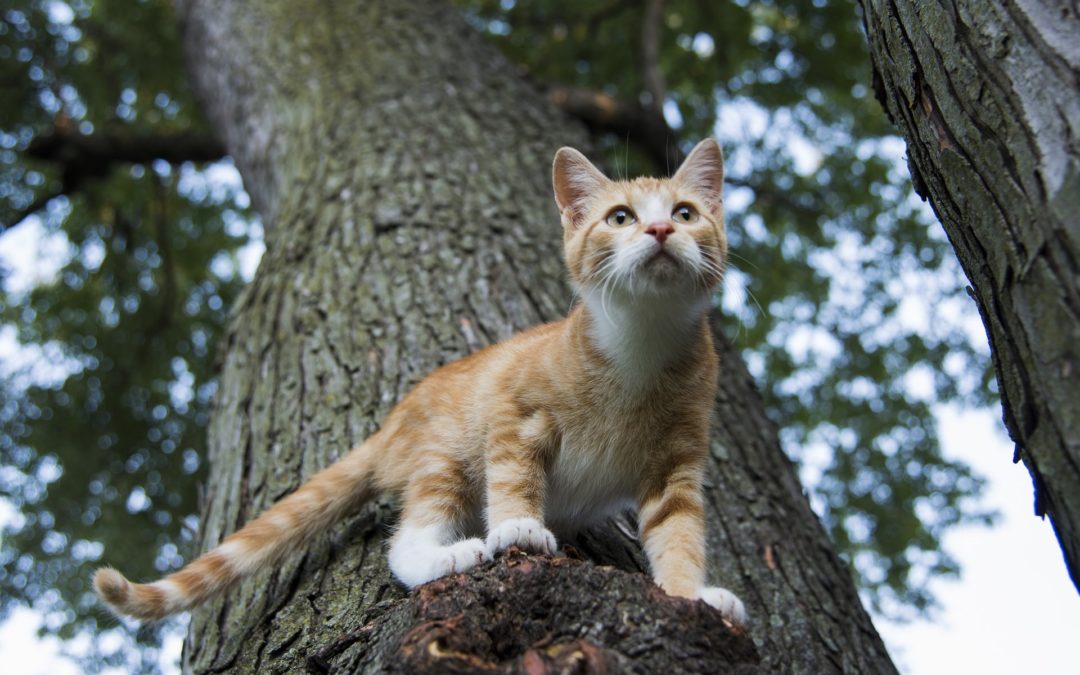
{"x":725,"y":601}
{"x":642,"y":335}
{"x":174,"y":599}
{"x":418,"y":554}
{"x":653,"y":208}
{"x":233,"y":550}
{"x":590,"y":481}
{"x":535,"y":428}
{"x":240,"y":556}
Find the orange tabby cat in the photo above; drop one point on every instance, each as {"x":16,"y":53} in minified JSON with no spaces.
{"x":560,"y":426}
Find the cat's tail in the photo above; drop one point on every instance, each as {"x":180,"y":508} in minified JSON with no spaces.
{"x":330,"y":495}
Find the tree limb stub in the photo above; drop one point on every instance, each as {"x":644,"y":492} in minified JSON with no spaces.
{"x":530,"y":614}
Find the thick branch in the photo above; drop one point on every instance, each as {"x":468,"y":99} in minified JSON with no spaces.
{"x":40,"y":201}
{"x":808,"y":206}
{"x":82,"y":157}
{"x":525,"y":613}
{"x":103,"y":149}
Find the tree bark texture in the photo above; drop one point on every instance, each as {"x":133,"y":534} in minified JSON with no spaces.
{"x":402,"y":170}
{"x":988,"y":96}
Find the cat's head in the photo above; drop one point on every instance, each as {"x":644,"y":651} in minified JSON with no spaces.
{"x":643,"y":237}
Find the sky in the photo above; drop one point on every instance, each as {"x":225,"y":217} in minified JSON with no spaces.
{"x":1013,"y":610}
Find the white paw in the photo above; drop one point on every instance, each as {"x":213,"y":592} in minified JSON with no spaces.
{"x":526,"y":533}
{"x":725,"y":601}
{"x":415,"y":561}
{"x":459,"y":557}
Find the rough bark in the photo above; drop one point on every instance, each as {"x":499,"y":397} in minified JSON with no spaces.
{"x":988,"y":96}
{"x":402,"y":170}
{"x":517,"y":618}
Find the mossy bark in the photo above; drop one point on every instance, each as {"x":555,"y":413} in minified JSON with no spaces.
{"x":402,"y":170}
{"x":988,"y":97}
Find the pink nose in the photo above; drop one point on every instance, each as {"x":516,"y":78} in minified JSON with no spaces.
{"x":660,"y":231}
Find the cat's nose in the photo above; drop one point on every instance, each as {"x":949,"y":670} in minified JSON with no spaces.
{"x":660,"y":230}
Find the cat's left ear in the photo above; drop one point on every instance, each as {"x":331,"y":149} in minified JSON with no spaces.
{"x":703,"y":171}
{"x":576,"y":181}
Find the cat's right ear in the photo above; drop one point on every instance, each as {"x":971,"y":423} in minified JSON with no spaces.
{"x":576,"y":181}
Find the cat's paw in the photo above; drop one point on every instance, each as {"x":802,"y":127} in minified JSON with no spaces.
{"x":459,"y":557}
{"x":526,"y":533}
{"x":725,"y":601}
{"x":415,"y":563}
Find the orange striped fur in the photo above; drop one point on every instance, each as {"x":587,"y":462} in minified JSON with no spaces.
{"x":558,"y":427}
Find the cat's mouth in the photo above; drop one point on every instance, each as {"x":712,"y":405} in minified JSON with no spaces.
{"x":660,"y":257}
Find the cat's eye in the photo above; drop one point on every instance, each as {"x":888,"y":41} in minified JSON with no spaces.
{"x":620,"y":217}
{"x":684,"y":213}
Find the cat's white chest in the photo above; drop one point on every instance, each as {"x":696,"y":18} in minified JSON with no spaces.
{"x":592,"y":479}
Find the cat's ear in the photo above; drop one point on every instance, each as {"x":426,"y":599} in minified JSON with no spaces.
{"x":703,"y":170}
{"x":576,"y":181}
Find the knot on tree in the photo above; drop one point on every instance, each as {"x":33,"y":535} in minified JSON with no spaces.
{"x":537,"y":614}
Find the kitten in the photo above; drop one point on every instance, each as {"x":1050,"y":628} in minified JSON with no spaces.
{"x":561,"y":426}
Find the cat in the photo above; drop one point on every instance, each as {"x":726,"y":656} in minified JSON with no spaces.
{"x":560,"y":426}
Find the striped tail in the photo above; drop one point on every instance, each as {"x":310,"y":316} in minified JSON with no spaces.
{"x":330,"y":495}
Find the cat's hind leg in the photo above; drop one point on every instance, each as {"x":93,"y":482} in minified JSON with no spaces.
{"x":428,"y":543}
{"x":421,"y":553}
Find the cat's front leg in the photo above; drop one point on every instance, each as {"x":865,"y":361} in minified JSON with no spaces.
{"x":672,"y":526}
{"x":516,"y":479}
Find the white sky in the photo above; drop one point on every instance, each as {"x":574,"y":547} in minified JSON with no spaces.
{"x":1014,"y":609}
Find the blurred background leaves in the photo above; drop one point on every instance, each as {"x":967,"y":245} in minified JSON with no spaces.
{"x":843,"y":295}
{"x":109,"y":345}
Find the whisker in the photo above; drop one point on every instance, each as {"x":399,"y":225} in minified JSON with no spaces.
{"x":732,"y":254}
{"x":738,"y":329}
{"x":573,"y":298}
{"x":603,"y":297}
{"x":754,"y":298}
{"x":605,"y":274}
{"x":626,"y":157}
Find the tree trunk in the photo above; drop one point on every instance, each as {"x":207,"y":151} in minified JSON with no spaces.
{"x":402,"y":170}
{"x":988,"y":96}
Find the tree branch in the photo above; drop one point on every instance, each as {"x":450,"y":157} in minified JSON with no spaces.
{"x":521,"y":613}
{"x":649,"y":130}
{"x":83,"y":157}
{"x":602,"y":112}
{"x":651,"y":74}
{"x":103,"y":149}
